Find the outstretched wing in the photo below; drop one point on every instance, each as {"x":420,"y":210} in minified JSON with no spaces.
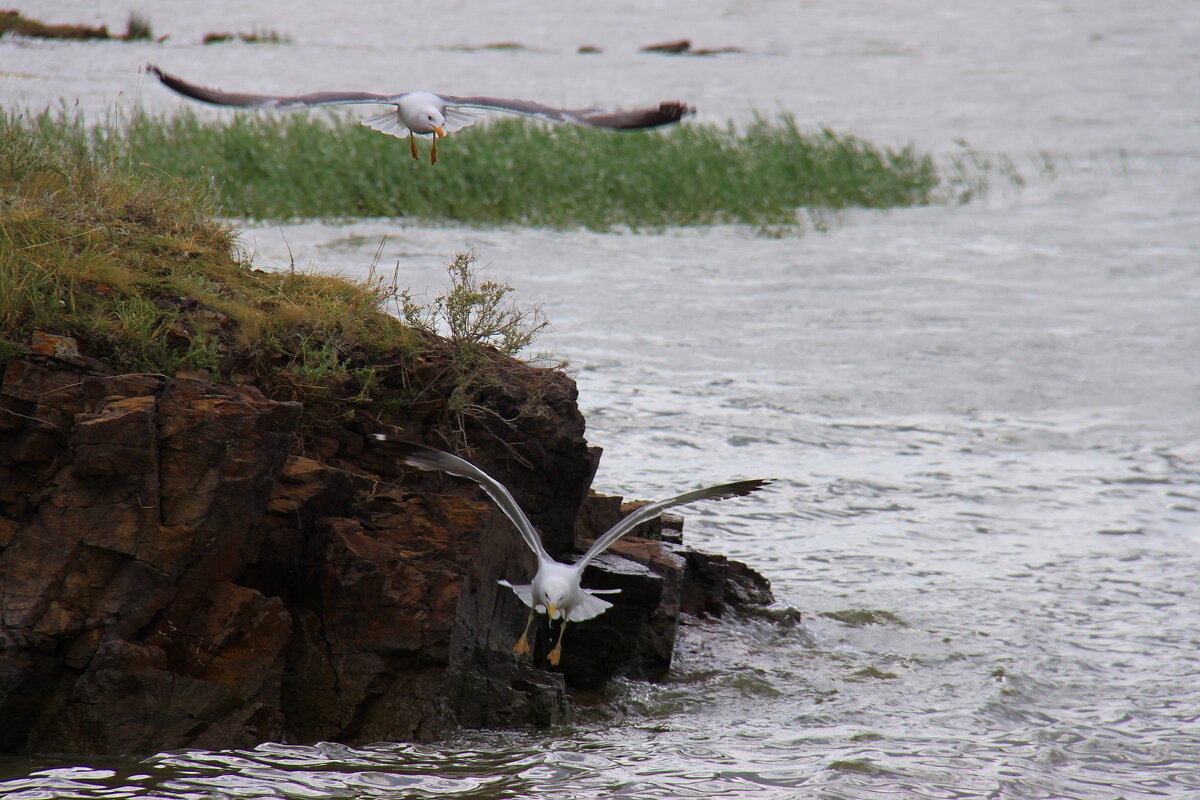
{"x":648,"y":512}
{"x":459,"y":115}
{"x":283,"y":102}
{"x":423,"y":457}
{"x":664,"y":114}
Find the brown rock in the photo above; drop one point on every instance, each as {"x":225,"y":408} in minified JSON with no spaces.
{"x":659,"y":579}
{"x":178,"y":569}
{"x":116,"y":597}
{"x":48,"y":344}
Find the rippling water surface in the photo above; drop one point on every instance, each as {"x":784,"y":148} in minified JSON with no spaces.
{"x":983,"y":418}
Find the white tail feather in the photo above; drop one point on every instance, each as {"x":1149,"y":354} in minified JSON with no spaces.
{"x":589,"y":606}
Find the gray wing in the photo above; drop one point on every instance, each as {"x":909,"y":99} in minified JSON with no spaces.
{"x":664,"y":114}
{"x":422,"y":457}
{"x":282,"y":102}
{"x":648,"y":512}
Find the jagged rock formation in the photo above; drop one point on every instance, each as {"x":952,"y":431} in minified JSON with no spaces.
{"x":178,"y":569}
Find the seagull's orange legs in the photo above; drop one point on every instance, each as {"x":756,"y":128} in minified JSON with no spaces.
{"x":523,"y":643}
{"x":556,"y":653}
{"x":412,"y":145}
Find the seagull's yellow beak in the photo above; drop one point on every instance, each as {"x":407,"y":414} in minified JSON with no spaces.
{"x":438,"y":131}
{"x":550,"y":611}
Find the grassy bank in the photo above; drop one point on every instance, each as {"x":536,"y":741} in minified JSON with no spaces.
{"x":287,"y":166}
{"x":145,"y":276}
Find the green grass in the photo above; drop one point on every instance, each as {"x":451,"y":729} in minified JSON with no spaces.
{"x":144,"y":271}
{"x":291,"y":166}
{"x":145,"y":276}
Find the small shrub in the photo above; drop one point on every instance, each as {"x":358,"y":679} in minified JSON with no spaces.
{"x":475,"y":311}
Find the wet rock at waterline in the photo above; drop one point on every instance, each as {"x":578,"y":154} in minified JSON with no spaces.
{"x":176,"y":571}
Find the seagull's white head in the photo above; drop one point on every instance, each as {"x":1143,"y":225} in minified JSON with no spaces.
{"x":555,"y":597}
{"x":423,"y":112}
{"x":432,"y":121}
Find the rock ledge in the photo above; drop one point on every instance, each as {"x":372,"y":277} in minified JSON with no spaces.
{"x":178,"y":568}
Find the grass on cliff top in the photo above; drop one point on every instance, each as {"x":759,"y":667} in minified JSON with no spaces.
{"x":145,"y":276}
{"x":288,"y":166}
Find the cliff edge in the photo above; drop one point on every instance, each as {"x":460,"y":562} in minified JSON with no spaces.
{"x":179,"y":567}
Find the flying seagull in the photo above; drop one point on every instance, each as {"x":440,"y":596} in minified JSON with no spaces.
{"x":430,"y":113}
{"x":555,"y":590}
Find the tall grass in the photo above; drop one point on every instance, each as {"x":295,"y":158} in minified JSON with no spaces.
{"x":509,"y":171}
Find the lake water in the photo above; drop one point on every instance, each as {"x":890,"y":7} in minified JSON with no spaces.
{"x":983,"y":418}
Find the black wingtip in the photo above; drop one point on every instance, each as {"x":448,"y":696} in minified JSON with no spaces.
{"x":171,"y":82}
{"x":415,"y":454}
{"x":675,"y":110}
{"x":167,"y":80}
{"x":740,"y":488}
{"x":404,"y":449}
{"x":666,"y":114}
{"x":214,"y":96}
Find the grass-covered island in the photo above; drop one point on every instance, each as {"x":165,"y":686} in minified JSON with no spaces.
{"x":273,"y":166}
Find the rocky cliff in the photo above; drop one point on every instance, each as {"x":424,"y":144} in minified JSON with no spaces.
{"x":182,"y":566}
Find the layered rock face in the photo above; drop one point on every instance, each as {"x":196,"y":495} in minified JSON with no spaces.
{"x":178,"y":570}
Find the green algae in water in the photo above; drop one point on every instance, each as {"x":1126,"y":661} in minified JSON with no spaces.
{"x":859,"y":617}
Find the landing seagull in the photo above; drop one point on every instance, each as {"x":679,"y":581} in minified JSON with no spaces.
{"x":430,"y":113}
{"x":555,"y":590}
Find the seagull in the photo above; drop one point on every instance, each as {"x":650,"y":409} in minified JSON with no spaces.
{"x":555,"y":590}
{"x":430,"y":113}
